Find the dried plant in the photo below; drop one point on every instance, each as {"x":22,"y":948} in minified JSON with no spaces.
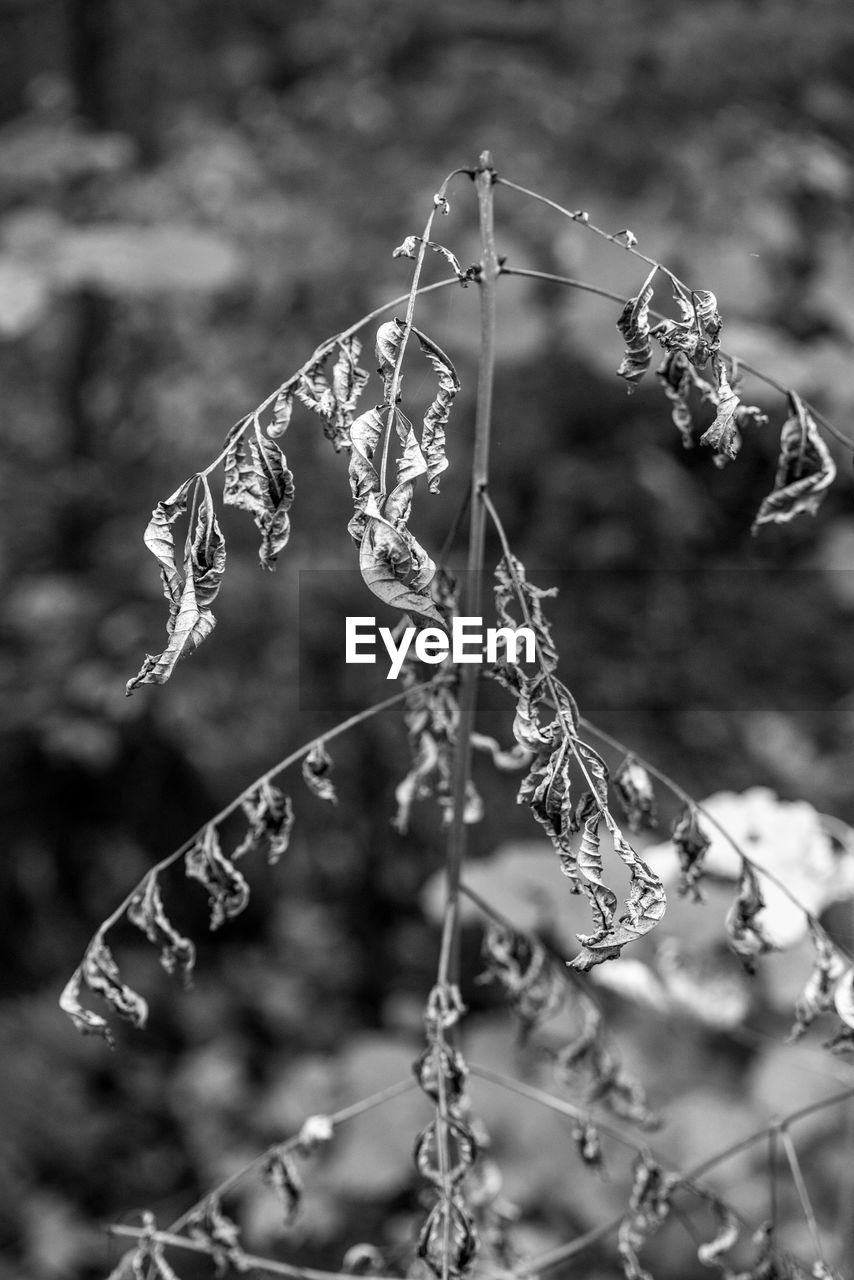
{"x":566,"y":783}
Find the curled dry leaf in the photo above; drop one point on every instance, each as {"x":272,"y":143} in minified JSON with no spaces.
{"x":723,"y":435}
{"x":805,"y":469}
{"x":442,"y":1071}
{"x":316,"y":770}
{"x":726,"y":1237}
{"x":649,"y":1207}
{"x":843,"y":997}
{"x":257,"y":480}
{"x":526,"y":971}
{"x":675,"y":374}
{"x":210,"y":1226}
{"x":282,"y":1174}
{"x":745,"y":932}
{"x":389,"y":338}
{"x":451,"y":1165}
{"x":820,"y":988}
{"x":190,"y":593}
{"x":409,"y":249}
{"x":146,"y":911}
{"x":270,"y":816}
{"x":84,"y":1020}
{"x":448,"y":1242}
{"x":227,"y":890}
{"x":101,"y":975}
{"x":633,"y":324}
{"x":691,"y":844}
{"x":634,"y":787}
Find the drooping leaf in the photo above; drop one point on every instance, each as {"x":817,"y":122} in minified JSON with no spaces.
{"x":389,"y":340}
{"x":227,"y":890}
{"x":805,"y":469}
{"x":634,"y":787}
{"x":442,"y":1072}
{"x":649,"y":1207}
{"x":448,"y":1242}
{"x":84,"y":1020}
{"x":819,"y":990}
{"x":633,"y":324}
{"x":511,"y":581}
{"x":436,"y":418}
{"x":365,"y":434}
{"x":283,"y":408}
{"x":723,"y":435}
{"x":282,"y":1174}
{"x":460,"y":1152}
{"x":316,"y":770}
{"x":101,"y":975}
{"x":221,"y":1237}
{"x":697,"y":334}
{"x":675,"y":374}
{"x":270,"y":815}
{"x":744,"y":928}
{"x":397,"y":569}
{"x":258,"y":480}
{"x":349,"y":379}
{"x":726,"y":1237}
{"x":691,"y":844}
{"x":190,"y":619}
{"x":146,"y":911}
{"x":546,"y":789}
{"x":587,"y":1067}
{"x":523,"y":967}
{"x":409,"y":249}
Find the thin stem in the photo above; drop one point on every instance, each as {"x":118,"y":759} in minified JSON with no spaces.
{"x":579,"y":216}
{"x":803,"y":1194}
{"x":248,"y":1261}
{"x":743,"y":365}
{"x":473,"y":585}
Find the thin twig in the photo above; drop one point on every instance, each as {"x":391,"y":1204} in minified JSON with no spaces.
{"x":803,"y":1193}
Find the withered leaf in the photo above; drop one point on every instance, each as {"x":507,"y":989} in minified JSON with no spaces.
{"x":190,"y":619}
{"x":282,"y":1174}
{"x":283,"y":408}
{"x":389,"y":338}
{"x":397,"y":569}
{"x":441,"y":1071}
{"x":745,"y":933}
{"x":634,"y":787}
{"x":644,"y":907}
{"x":84,"y":1020}
{"x":725,"y":1238}
{"x":460,"y":1149}
{"x":633,"y":324}
{"x":102,"y":977}
{"x":211,"y":1227}
{"x":805,"y":469}
{"x":409,"y":249}
{"x":523,"y":967}
{"x":270,"y":816}
{"x":365,"y":435}
{"x":675,"y":374}
{"x":843,"y":997}
{"x":649,"y":1206}
{"x":146,"y":911}
{"x":691,"y":844}
{"x":818,"y":994}
{"x":723,"y":435}
{"x":227,"y":890}
{"x":349,"y":379}
{"x":258,"y":480}
{"x":448,"y":1242}
{"x":316,"y":770}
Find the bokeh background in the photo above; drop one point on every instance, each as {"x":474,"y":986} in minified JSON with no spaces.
{"x":192,"y":196}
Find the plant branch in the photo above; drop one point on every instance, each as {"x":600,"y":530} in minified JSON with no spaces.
{"x":473,"y":586}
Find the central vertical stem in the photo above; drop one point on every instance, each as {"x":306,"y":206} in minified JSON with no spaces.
{"x":473,"y":587}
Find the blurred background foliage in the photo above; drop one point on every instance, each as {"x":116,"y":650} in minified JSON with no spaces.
{"x":192,"y":196}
